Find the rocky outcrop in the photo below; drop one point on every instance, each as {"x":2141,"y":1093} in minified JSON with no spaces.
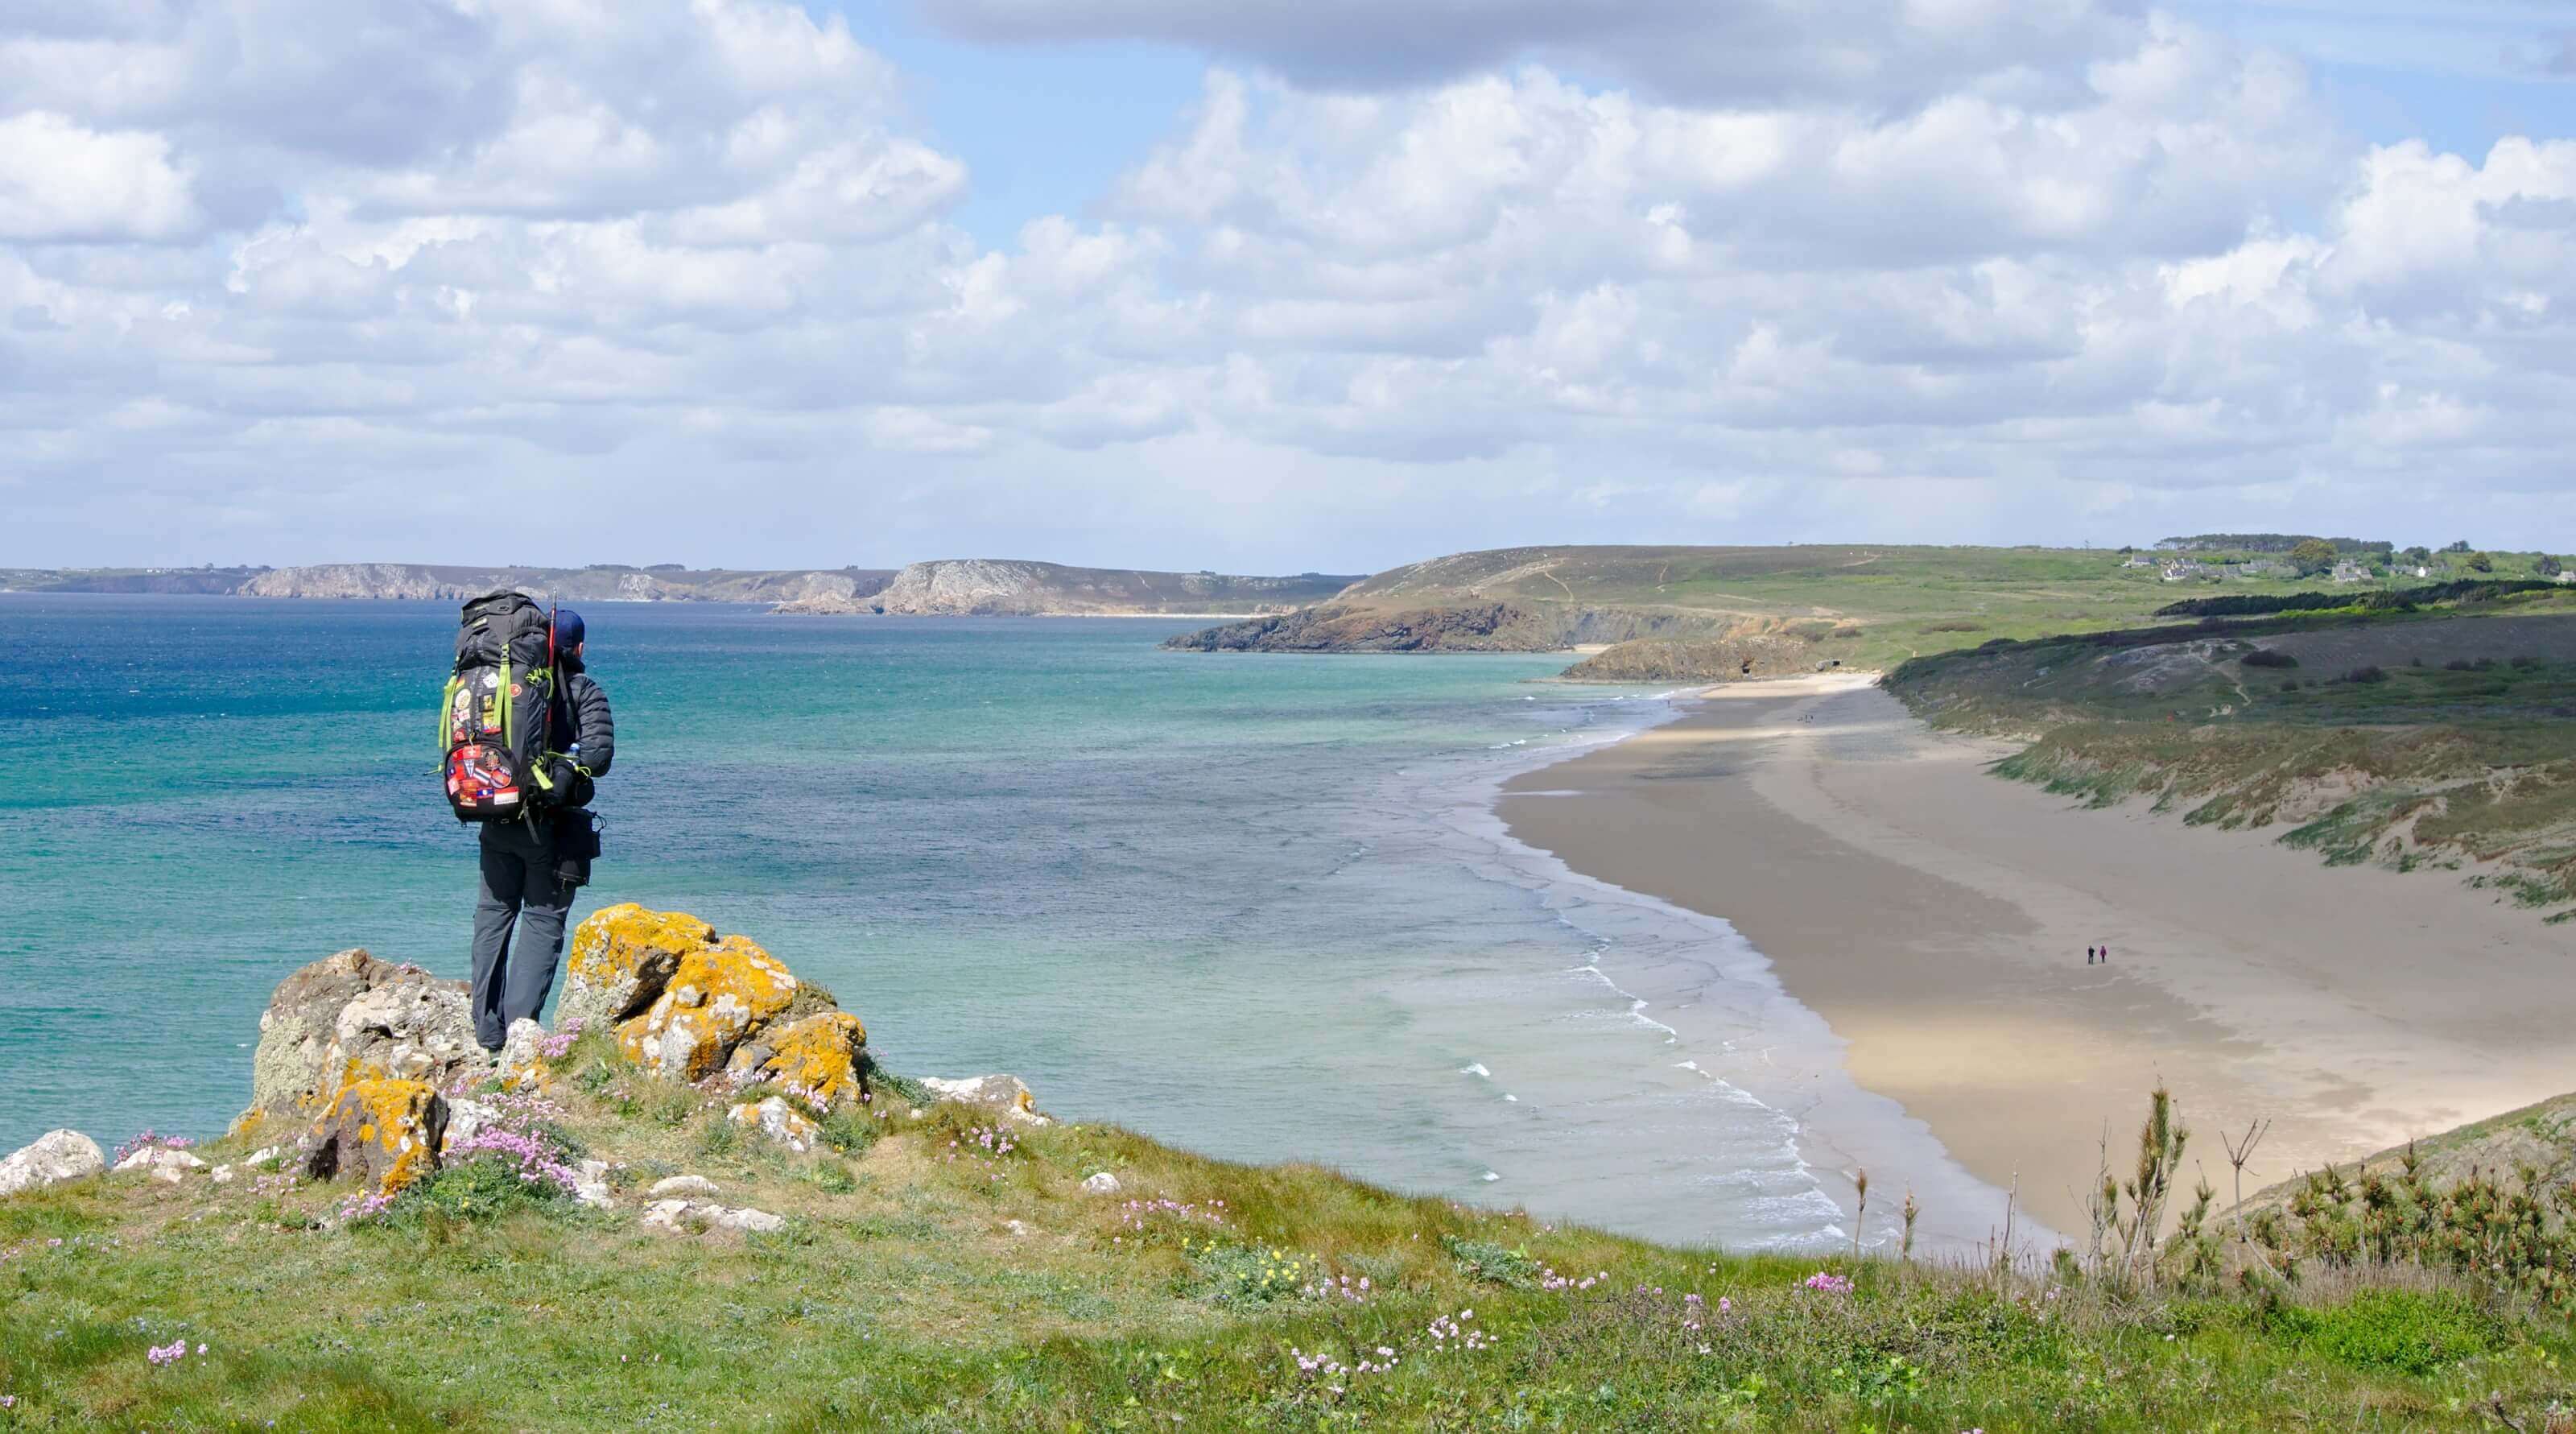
{"x":385,"y":1133}
{"x":1465,"y":627}
{"x":820,"y":1059}
{"x":53,"y":1158}
{"x":1005,"y":1095}
{"x":721,"y":993}
{"x":955,"y":587}
{"x":681,"y":1217}
{"x":351,"y":1015}
{"x":782,"y":1124}
{"x":1489,"y":627}
{"x":621,"y":959}
{"x":162,"y":1163}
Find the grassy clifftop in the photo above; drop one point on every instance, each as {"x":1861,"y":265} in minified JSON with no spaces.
{"x":707,"y":1208}
{"x":946,"y":1271}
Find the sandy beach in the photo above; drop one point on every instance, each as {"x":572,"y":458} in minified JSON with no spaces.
{"x":1937,"y":916}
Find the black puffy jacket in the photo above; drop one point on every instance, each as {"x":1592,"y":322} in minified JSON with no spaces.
{"x":581,"y":716}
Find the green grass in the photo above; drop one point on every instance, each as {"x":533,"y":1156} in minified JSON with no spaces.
{"x":902,"y":1297}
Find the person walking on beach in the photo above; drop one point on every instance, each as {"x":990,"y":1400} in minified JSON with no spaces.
{"x":532,"y":865}
{"x":2088,"y":955}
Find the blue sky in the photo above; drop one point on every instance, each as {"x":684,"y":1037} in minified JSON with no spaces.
{"x":1046,"y":128}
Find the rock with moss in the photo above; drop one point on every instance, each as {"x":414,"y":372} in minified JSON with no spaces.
{"x":353,"y":1014}
{"x":383,"y":1132}
{"x":622,"y":959}
{"x":51,"y":1159}
{"x":718,"y":995}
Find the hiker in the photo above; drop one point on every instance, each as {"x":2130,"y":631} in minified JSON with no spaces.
{"x":534,"y":862}
{"x":2088,"y":955}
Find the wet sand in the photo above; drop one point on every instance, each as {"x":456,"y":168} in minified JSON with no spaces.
{"x":1937,"y":916}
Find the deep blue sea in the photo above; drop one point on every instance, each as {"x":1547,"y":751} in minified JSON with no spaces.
{"x":1253,"y":905}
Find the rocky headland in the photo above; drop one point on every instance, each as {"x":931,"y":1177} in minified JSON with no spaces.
{"x":1460,"y":627}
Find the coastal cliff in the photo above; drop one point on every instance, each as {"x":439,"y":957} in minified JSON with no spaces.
{"x":994,"y":587}
{"x":703,"y":1202}
{"x":607,"y":582}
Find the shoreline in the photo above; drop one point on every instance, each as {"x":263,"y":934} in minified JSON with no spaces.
{"x":1935,"y":918}
{"x":1726,"y":1041}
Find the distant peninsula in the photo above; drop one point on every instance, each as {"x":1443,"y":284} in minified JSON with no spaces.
{"x":949,"y":587}
{"x":599,"y":582}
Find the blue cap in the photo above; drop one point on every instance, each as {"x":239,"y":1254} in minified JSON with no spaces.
{"x":568,"y":629}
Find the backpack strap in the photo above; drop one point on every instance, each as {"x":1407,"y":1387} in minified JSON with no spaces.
{"x":447,"y":714}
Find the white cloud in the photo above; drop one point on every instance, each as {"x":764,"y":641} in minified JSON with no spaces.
{"x":1878,"y":51}
{"x":2071,"y":262}
{"x":59,"y":180}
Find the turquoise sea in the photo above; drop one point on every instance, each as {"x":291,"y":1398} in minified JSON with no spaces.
{"x":1253,"y":905}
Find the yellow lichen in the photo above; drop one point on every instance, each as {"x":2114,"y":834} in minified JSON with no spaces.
{"x":382,"y":1125}
{"x":719,"y":994}
{"x":614,"y":941}
{"x":819,"y":1058}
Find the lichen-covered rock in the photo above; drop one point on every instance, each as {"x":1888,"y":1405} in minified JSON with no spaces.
{"x":352,"y":1013}
{"x":384,"y":1132}
{"x":523,"y":1056}
{"x":1100,"y":1182}
{"x":53,"y":1157}
{"x":821,"y":1059}
{"x":682,"y":1186}
{"x":622,"y":958}
{"x":161,"y":1163}
{"x":779,"y":1121}
{"x":719,"y":995}
{"x":1005,"y":1095}
{"x":465,"y":1116}
{"x":590,"y":1185}
{"x":687,"y":1216}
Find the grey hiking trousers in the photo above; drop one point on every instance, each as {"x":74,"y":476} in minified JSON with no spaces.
{"x":520,"y":892}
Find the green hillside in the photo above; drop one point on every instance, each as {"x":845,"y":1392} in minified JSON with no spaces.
{"x":1862,"y":605}
{"x":2437,"y":737}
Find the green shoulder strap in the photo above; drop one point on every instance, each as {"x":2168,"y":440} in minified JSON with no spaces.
{"x":447,"y":713}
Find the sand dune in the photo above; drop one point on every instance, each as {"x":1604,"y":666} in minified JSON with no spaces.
{"x":1936,"y":917}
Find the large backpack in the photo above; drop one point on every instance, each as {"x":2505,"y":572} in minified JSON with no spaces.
{"x":494,"y":719}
